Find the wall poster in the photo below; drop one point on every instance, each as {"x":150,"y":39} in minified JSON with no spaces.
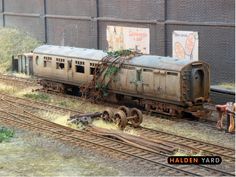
{"x":185,"y":45}
{"x":119,"y":38}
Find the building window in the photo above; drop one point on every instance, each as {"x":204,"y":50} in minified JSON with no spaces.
{"x":79,"y":68}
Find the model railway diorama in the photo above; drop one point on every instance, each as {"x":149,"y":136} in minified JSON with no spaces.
{"x":133,"y":81}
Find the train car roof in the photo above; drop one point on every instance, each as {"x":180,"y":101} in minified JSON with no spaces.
{"x":149,"y":61}
{"x":73,"y":52}
{"x":159,"y":62}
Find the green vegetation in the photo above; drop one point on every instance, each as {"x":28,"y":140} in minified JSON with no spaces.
{"x":109,"y":73}
{"x":37,"y":96}
{"x":120,"y":53}
{"x":5,"y":134}
{"x":14,"y":42}
{"x":111,"y":70}
{"x":103,"y":88}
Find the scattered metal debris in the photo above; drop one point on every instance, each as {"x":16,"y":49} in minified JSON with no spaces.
{"x":121,"y":117}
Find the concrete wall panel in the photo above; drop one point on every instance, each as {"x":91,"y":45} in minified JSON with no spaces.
{"x":201,"y":10}
{"x":32,"y":25}
{"x":71,"y":7}
{"x":133,"y":9}
{"x":67,"y":32}
{"x":24,"y":6}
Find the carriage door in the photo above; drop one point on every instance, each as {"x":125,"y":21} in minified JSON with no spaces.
{"x":197,"y":83}
{"x":139,"y":81}
{"x":69,"y":70}
{"x":160,"y":83}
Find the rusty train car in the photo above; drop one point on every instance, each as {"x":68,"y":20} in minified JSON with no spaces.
{"x":159,"y":84}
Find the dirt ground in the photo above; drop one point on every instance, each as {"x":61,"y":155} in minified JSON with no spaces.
{"x":29,"y":154}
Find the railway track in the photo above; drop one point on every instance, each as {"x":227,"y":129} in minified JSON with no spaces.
{"x":227,"y":154}
{"x":18,"y":80}
{"x":13,"y":115}
{"x":32,"y":104}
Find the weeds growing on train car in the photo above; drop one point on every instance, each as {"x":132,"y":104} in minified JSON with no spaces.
{"x":5,"y":134}
{"x":120,"y":53}
{"x":14,"y":42}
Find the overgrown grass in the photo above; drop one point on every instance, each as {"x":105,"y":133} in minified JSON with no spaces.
{"x":37,"y":96}
{"x":5,"y":134}
{"x":226,"y":85}
{"x":4,"y":88}
{"x":14,"y":42}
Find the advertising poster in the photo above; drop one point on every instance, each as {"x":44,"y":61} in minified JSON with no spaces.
{"x":185,"y":45}
{"x":120,"y":38}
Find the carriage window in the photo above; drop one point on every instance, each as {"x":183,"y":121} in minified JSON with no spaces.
{"x":47,"y":62}
{"x":37,"y":60}
{"x":79,"y":69}
{"x":172,"y":73}
{"x":69,"y":64}
{"x":138,"y":75}
{"x":92,"y":71}
{"x":147,"y":70}
{"x":60,"y":65}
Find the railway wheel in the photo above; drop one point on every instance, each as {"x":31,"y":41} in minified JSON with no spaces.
{"x":126,"y":110}
{"x":138,"y":117}
{"x":120,"y":119}
{"x":108,"y":115}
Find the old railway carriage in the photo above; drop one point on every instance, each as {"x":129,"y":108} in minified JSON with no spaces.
{"x":160,"y":84}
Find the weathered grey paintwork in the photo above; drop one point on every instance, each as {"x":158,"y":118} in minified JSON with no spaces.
{"x":73,"y":52}
{"x":165,"y":79}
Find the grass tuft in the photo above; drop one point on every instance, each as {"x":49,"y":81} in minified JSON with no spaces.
{"x":5,"y":134}
{"x":181,"y":152}
{"x":37,"y":96}
{"x":226,"y":85}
